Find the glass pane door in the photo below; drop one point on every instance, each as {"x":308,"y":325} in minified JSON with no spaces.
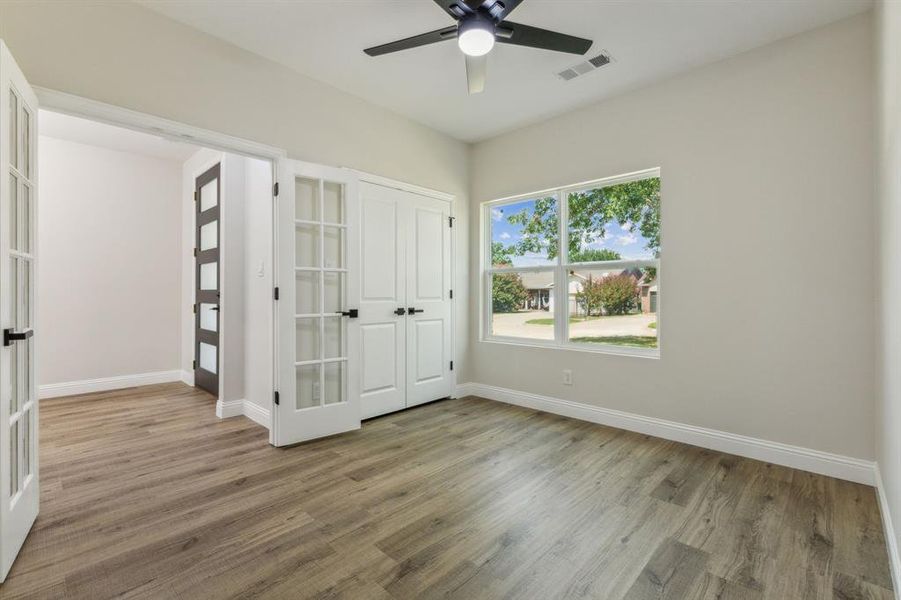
{"x":17,"y":337}
{"x":320,"y":265}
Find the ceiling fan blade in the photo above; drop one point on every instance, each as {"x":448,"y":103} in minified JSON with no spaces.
{"x":476,"y":73}
{"x":432,"y":37}
{"x":456,"y":8}
{"x":509,"y":32}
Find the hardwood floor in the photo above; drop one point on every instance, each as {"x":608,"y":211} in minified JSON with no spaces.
{"x":147,"y":495}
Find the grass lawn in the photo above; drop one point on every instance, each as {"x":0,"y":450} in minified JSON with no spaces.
{"x":551,"y":321}
{"x":635,"y":341}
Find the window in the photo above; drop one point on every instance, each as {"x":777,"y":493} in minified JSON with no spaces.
{"x":576,"y":267}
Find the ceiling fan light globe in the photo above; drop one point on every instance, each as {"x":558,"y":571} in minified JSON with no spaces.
{"x":476,"y":41}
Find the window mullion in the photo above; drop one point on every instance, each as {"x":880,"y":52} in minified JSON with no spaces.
{"x":561,"y":285}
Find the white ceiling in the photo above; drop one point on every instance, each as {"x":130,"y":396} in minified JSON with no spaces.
{"x":648,"y":40}
{"x":75,"y":129}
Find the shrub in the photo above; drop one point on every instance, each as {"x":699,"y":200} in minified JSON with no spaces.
{"x":618,"y":294}
{"x":507,"y":292}
{"x":589,"y":298}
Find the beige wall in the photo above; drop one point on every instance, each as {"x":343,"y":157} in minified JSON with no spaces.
{"x":120,"y":210}
{"x":888,"y":160}
{"x":767,"y":200}
{"x":126,"y":55}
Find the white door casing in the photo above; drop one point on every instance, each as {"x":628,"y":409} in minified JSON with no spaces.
{"x":429,"y":330}
{"x":383,"y":331}
{"x":317,"y":346}
{"x":19,"y":484}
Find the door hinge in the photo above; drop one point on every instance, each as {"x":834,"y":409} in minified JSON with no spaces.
{"x":450,"y":221}
{"x":452,"y":365}
{"x":275,"y":189}
{"x":194,"y":364}
{"x":195,"y":195}
{"x":275,"y":398}
{"x":195,"y":308}
{"x":195,"y":252}
{"x":276,"y":294}
{"x":452,"y":294}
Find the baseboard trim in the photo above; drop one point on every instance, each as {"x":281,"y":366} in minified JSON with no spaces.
{"x":806,"y":459}
{"x":238,"y":408}
{"x":888,"y":529}
{"x":256,"y":413}
{"x":187,"y":378}
{"x":229,"y":408}
{"x":105,"y":384}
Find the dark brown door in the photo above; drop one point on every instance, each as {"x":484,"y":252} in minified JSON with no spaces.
{"x":207,"y":316}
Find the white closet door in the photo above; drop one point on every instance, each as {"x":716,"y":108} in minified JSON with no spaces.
{"x":382,"y":298}
{"x":318,"y":332}
{"x":429,"y":306}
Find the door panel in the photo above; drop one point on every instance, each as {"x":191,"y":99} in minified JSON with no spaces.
{"x":19,"y":482}
{"x":380,"y":246}
{"x":429,"y":341}
{"x":382,"y":331}
{"x":207,"y":315}
{"x":317,"y":331}
{"x":428,"y":284}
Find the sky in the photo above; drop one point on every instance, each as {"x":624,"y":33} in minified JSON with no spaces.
{"x":624,"y":238}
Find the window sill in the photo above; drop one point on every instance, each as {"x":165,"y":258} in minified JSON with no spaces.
{"x":591,"y":349}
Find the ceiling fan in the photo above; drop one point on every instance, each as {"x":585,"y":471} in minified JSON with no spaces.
{"x":479,"y":24}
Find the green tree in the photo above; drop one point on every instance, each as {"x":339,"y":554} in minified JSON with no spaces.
{"x":594,"y":255}
{"x":507,"y":292}
{"x":500,"y":256}
{"x":589,"y":297}
{"x":618,"y":294}
{"x":636,"y":202}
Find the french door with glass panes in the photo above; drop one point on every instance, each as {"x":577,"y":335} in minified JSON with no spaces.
{"x":18,"y":402}
{"x":317,"y":303}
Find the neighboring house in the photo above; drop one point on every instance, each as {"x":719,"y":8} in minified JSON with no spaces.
{"x":540,"y":286}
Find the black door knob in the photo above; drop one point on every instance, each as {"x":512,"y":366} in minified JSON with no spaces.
{"x":352,"y":313}
{"x":400,"y":312}
{"x":413,"y":311}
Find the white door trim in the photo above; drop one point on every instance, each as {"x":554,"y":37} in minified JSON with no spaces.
{"x":110,"y":114}
{"x":404,"y":186}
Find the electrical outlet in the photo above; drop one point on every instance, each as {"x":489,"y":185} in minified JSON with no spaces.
{"x":261,"y":269}
{"x":567,"y":377}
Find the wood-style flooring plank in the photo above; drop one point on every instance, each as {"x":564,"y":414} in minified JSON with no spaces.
{"x":146,"y":494}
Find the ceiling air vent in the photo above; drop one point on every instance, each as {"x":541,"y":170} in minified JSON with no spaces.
{"x":584,"y":67}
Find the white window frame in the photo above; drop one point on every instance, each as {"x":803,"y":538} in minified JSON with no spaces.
{"x":560,"y":271}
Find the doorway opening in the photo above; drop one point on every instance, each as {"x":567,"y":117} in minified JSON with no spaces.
{"x":156,"y":264}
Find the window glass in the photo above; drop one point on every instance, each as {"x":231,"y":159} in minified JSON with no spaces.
{"x":614,"y":222}
{"x":524,"y":233}
{"x":613,"y":306}
{"x":522,"y":305}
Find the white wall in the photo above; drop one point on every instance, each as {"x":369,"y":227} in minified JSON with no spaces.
{"x":767,"y":322}
{"x":194,"y":78}
{"x":108,"y":283}
{"x":258,"y":303}
{"x":888,"y":160}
